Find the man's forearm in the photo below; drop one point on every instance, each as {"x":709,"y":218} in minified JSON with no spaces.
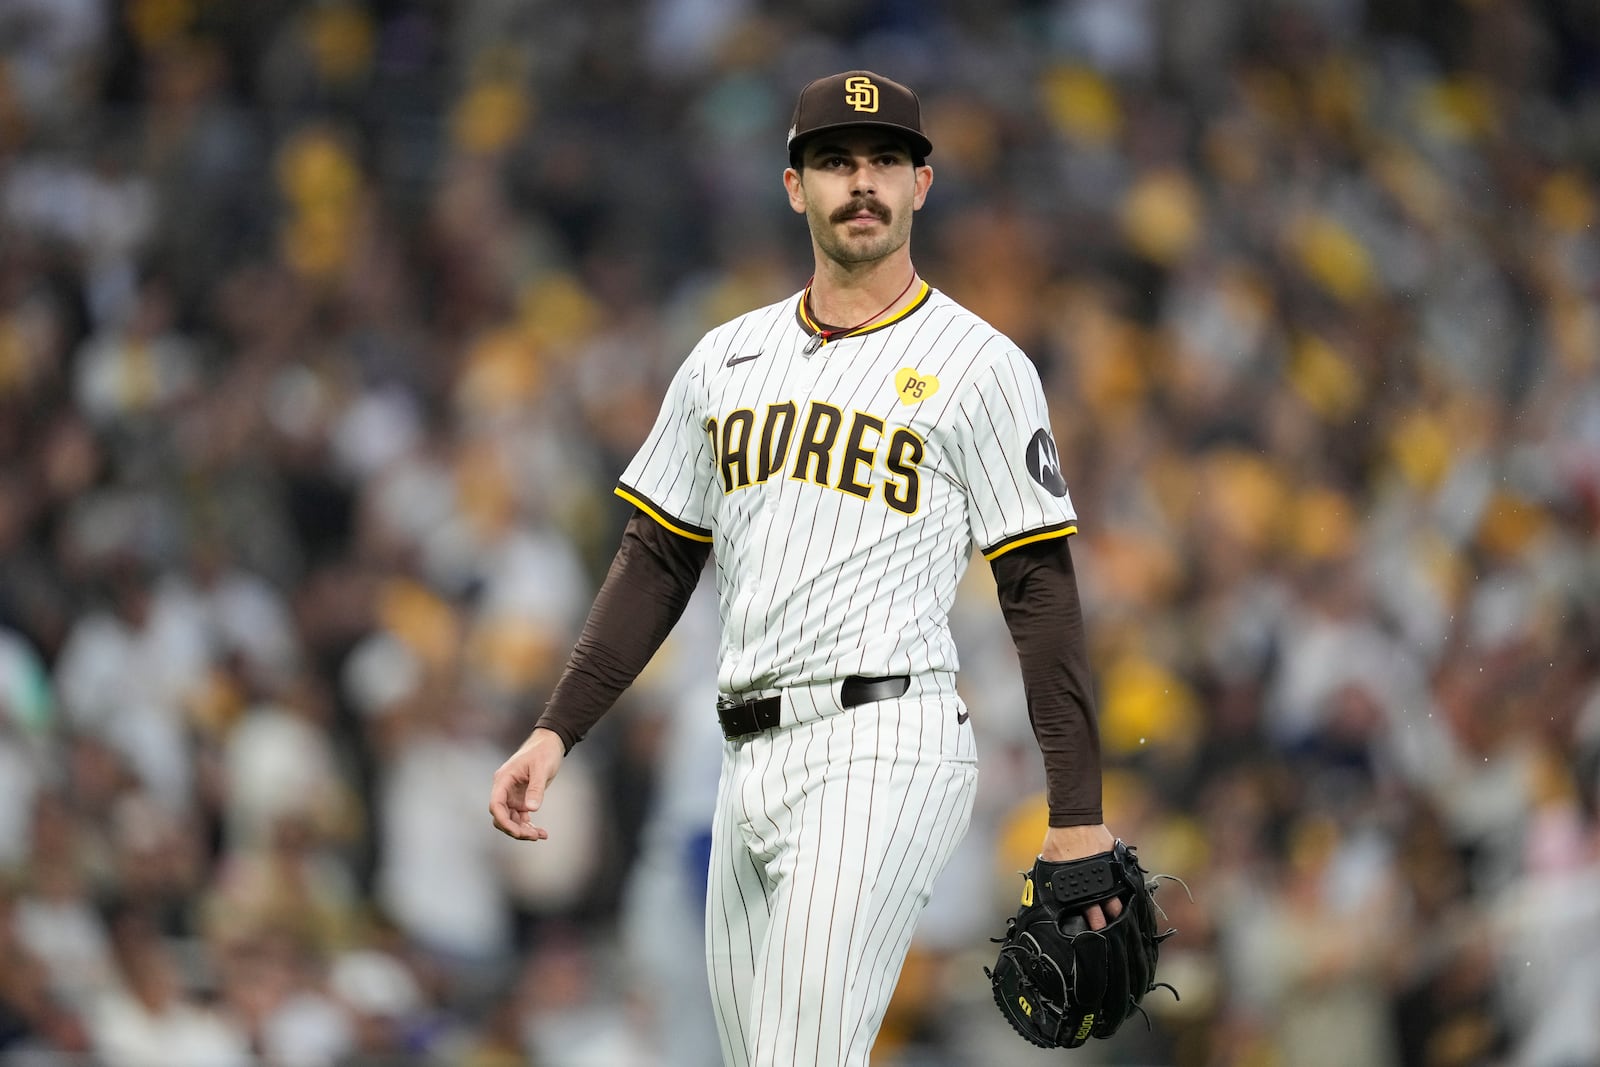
{"x":1038,"y":593}
{"x":650,"y":581}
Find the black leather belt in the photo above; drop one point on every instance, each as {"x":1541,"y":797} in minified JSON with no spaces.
{"x":742,"y":719}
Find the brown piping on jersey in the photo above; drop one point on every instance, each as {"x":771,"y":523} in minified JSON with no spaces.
{"x":1045,"y":533}
{"x":656,"y":512}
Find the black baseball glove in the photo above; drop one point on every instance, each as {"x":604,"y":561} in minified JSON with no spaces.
{"x":1059,"y":983}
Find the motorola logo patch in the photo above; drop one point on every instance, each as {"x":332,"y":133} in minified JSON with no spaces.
{"x":1044,"y":464}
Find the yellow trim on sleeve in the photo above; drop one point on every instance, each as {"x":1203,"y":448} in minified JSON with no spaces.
{"x":651,"y":511}
{"x":1047,"y":535}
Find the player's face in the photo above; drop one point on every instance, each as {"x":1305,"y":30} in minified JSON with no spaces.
{"x":858,"y":190}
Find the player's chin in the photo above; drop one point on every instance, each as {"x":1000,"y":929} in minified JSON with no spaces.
{"x":865,"y":247}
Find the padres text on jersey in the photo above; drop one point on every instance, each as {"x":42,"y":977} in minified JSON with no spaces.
{"x":845,"y":490}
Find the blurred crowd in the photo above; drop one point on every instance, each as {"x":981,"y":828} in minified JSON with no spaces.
{"x":326,"y":326}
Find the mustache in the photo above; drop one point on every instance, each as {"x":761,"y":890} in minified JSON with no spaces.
{"x":856,"y":207}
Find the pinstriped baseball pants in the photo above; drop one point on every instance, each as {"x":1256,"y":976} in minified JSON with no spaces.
{"x":829,"y":834}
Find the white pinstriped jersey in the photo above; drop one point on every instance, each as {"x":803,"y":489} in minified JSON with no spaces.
{"x":844,"y":490}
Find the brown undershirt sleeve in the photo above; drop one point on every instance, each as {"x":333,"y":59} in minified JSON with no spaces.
{"x":650,"y":581}
{"x":1039,"y":597}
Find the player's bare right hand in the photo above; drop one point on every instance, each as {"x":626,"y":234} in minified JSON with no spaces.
{"x":519,"y":785}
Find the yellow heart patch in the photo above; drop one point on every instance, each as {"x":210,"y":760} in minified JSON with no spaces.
{"x":914,"y":387}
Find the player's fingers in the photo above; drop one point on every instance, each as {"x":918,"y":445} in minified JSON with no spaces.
{"x":517,"y":823}
{"x":504,"y":821}
{"x":510,"y":802}
{"x":1113,"y":907}
{"x":500,"y":812}
{"x":1094,"y":917}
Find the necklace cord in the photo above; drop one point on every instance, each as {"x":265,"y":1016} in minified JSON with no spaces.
{"x":823,"y":336}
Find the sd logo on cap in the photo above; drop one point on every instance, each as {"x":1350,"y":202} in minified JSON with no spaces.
{"x":860,"y":93}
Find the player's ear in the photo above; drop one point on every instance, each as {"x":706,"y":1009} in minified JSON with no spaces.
{"x":796,"y":189}
{"x":924,"y":181}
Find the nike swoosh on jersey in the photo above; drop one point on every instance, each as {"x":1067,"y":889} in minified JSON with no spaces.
{"x":734,"y":361}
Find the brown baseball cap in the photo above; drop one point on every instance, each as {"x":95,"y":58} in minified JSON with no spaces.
{"x":858,"y":98}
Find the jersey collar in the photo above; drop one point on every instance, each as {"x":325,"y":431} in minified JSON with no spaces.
{"x":816,"y":330}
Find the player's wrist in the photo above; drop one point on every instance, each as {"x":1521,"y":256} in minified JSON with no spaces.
{"x":547,"y":737}
{"x":1075,"y":842}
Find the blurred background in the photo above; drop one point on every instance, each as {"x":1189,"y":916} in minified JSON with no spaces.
{"x":325,"y":328}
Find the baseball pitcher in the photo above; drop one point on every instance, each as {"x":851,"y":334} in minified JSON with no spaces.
{"x":842,"y":453}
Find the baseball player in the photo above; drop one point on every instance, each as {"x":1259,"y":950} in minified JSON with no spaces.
{"x":841,"y":453}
